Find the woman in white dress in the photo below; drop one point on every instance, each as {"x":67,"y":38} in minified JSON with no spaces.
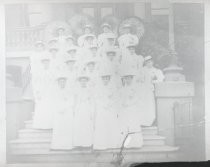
{"x":130,"y":115}
{"x":106,"y":35}
{"x":53,"y":42}
{"x":107,"y":134}
{"x":43,"y":83}
{"x":71,"y":70}
{"x":84,"y":113}
{"x":62,"y":138}
{"x":88,"y":38}
{"x":129,"y":56}
{"x":57,"y":59}
{"x":61,"y":36}
{"x":150,"y":76}
{"x":70,"y":41}
{"x":127,"y":37}
{"x":38,"y":53}
{"x":111,"y":60}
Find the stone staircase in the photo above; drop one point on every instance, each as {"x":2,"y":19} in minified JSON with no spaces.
{"x":33,"y":146}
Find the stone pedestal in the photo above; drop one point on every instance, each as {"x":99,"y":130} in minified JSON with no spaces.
{"x":169,"y":97}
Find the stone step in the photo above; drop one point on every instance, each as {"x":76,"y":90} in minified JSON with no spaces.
{"x":34,"y":134}
{"x":40,"y":145}
{"x":146,"y":130}
{"x":145,"y":154}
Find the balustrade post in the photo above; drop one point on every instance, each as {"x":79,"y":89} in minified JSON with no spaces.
{"x":168,"y":96}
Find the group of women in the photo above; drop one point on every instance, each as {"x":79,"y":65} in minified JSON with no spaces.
{"x":93,"y":91}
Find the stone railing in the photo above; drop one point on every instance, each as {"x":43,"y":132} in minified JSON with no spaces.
{"x":23,"y":38}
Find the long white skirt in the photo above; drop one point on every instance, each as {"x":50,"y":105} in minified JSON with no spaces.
{"x":62,"y":138}
{"x":83,"y":124}
{"x":107,"y":132}
{"x":130,"y":118}
{"x":43,"y":115}
{"x":148,"y":113}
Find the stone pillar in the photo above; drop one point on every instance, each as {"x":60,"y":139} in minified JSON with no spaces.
{"x":207,"y":79}
{"x":169,"y":95}
{"x":173,"y":72}
{"x":171,"y":27}
{"x":2,"y":88}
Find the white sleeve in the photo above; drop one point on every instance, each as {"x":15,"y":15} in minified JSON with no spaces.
{"x":160,"y":76}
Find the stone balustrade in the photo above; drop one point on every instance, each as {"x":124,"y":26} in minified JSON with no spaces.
{"x":23,"y":38}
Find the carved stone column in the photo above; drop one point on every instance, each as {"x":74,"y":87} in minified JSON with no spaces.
{"x":173,"y":72}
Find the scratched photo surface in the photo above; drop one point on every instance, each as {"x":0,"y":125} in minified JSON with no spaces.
{"x":104,"y":83}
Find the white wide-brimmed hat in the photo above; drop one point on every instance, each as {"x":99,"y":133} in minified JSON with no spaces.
{"x":70,"y":37}
{"x":126,"y":25}
{"x":61,"y":75}
{"x":39,"y":42}
{"x":53,"y":48}
{"x":70,"y":59}
{"x":111,"y":50}
{"x":45,"y":57}
{"x":105,"y":71}
{"x":147,"y":58}
{"x":82,"y":74}
{"x":52,"y":39}
{"x":106,"y":25}
{"x":127,"y":71}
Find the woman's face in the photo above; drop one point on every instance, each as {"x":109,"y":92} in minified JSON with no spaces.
{"x":127,"y":30}
{"x":149,"y":64}
{"x":111,"y":56}
{"x":91,"y":66}
{"x":53,"y":42}
{"x":46,"y":64}
{"x":128,"y":80}
{"x":70,"y":41}
{"x":94,"y":51}
{"x":132,"y":50}
{"x":62,"y":82}
{"x":72,"y":53}
{"x":83,"y":82}
{"x":40,"y":47}
{"x":87,"y":30}
{"x":53,"y":52}
{"x":106,"y":29}
{"x":70,"y":64}
{"x":111,"y":41}
{"x":106,"y":79}
{"x":61,"y":32}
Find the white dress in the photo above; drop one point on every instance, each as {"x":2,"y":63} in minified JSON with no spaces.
{"x":107,"y":132}
{"x":134,"y":61}
{"x":147,"y":88}
{"x":62,"y":138}
{"x":83,"y":118}
{"x":43,"y":100}
{"x":130,"y":116}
